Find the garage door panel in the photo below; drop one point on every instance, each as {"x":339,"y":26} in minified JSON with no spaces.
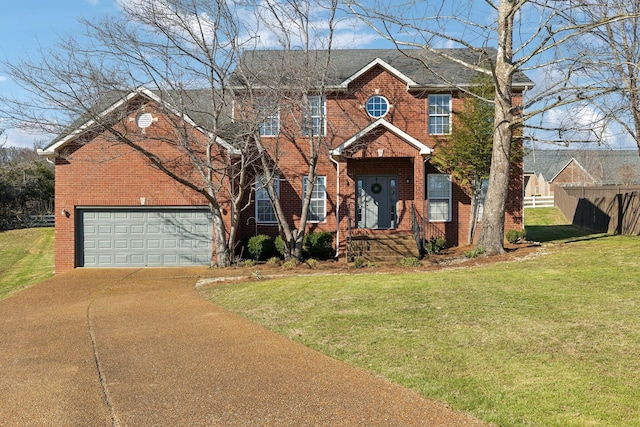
{"x":144,"y":237}
{"x":136,"y":259}
{"x":170,"y":244}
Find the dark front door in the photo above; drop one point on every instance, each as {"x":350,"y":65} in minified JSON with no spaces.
{"x":376,"y":201}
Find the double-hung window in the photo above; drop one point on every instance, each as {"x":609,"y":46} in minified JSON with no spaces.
{"x":318,"y":205}
{"x":439,"y":114}
{"x":313,"y":117}
{"x":264,"y":208}
{"x":439,"y":197}
{"x":270,"y":115}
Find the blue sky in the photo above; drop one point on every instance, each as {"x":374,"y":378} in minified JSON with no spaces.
{"x":26,"y":25}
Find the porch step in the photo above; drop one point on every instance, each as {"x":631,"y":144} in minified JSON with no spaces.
{"x":388,"y":248}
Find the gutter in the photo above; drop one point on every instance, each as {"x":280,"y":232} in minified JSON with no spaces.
{"x":337,"y":163}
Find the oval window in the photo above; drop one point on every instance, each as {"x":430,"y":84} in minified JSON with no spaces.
{"x":377,"y":106}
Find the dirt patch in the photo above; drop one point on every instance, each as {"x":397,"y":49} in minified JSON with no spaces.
{"x":453,"y":257}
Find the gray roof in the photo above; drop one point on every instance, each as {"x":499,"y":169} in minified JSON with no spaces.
{"x":426,"y":69}
{"x":196,"y":104}
{"x":606,"y":167}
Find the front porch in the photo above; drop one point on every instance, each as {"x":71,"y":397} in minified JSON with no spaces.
{"x":381,"y":193}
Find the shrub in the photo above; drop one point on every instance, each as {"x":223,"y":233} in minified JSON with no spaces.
{"x":273,"y":261}
{"x":435,"y":245}
{"x":290,"y":264}
{"x":359,"y":262}
{"x":281,"y":247}
{"x":261,"y":247}
{"x":247,"y":263}
{"x":312,"y":263}
{"x":475,"y":252}
{"x":410,"y":262}
{"x":319,"y":245}
{"x":515,"y":236}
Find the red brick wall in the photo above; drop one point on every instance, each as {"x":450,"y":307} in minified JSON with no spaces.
{"x":101,"y":172}
{"x":104,"y":173}
{"x":346,"y":116}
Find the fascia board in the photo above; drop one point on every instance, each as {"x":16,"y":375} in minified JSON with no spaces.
{"x":422,"y":148}
{"x":384,"y":65}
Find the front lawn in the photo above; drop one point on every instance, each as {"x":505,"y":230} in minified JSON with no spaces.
{"x":26,"y":258}
{"x":552,"y":340}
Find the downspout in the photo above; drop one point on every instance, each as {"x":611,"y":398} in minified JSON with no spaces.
{"x":337,"y":163}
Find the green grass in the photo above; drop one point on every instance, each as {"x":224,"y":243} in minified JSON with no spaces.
{"x":552,"y":340}
{"x":26,"y":257}
{"x":548,"y":225}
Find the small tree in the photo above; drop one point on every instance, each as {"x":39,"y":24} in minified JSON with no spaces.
{"x":467,"y":153}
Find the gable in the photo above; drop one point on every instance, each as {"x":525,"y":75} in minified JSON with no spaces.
{"x":115,"y":102}
{"x":606,"y":167}
{"x":573,"y":173}
{"x":361,"y":140}
{"x":420,"y":69}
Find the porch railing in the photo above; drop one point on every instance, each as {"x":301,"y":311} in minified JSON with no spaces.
{"x":349,"y":235}
{"x":417,"y":230}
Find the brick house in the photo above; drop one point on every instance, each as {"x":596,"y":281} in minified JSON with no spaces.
{"x":545,"y":169}
{"x":380,"y":114}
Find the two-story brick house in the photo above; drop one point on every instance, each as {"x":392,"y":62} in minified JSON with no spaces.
{"x":379,"y":114}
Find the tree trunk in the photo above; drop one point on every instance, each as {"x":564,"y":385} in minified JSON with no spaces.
{"x":220,"y":238}
{"x":492,"y":232}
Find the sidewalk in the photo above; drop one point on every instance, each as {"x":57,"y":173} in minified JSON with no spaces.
{"x":140,"y":348}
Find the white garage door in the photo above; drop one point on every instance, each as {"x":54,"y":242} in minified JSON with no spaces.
{"x":142,"y":237}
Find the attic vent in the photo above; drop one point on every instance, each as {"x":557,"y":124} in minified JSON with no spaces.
{"x":144,"y":120}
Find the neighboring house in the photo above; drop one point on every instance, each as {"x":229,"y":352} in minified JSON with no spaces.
{"x":544,"y":169}
{"x":380,"y":114}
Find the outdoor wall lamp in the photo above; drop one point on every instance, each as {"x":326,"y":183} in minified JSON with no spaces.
{"x":65,"y":213}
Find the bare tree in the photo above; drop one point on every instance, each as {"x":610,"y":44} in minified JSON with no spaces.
{"x":608,"y":56}
{"x":527,"y":35}
{"x":293,"y":80}
{"x":182,"y":52}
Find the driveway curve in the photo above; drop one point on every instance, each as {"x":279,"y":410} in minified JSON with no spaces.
{"x":141,"y":348}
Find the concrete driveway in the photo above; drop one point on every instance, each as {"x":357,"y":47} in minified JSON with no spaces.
{"x":141,"y":348}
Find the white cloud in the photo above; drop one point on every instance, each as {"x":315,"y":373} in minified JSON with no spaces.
{"x":260,"y":28}
{"x":580,"y":126}
{"x":22,"y":138}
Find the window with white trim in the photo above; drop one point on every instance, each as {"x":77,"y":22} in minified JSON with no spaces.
{"x":439,"y":197}
{"x":439,"y":114}
{"x":264,"y":209}
{"x":318,"y":204}
{"x":483,"y":196}
{"x":313,"y":118}
{"x":377,"y":106}
{"x":270,"y":114}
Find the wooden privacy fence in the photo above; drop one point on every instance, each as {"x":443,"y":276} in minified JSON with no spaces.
{"x":601,"y":209}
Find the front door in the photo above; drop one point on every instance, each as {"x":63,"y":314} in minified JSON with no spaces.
{"x":376,"y":201}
